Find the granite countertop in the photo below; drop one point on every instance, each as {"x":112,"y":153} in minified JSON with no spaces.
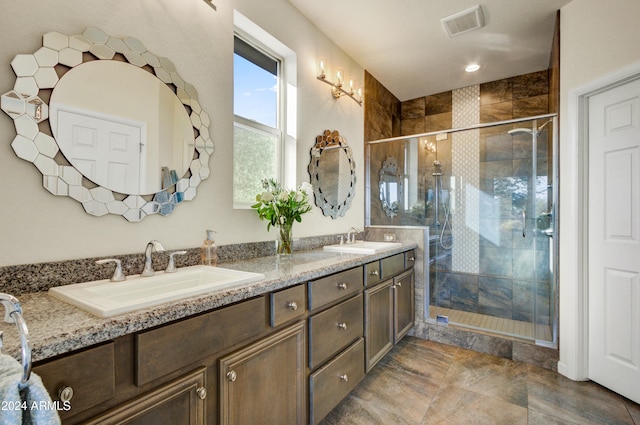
{"x":56,"y":327}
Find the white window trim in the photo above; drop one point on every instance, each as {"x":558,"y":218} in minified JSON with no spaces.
{"x":287,"y":115}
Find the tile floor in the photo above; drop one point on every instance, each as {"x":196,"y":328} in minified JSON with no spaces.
{"x":423,"y":382}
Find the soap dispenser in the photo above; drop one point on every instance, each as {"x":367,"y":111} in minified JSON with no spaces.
{"x":209,"y":250}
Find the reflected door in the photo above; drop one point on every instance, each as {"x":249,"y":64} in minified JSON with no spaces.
{"x":105,"y":151}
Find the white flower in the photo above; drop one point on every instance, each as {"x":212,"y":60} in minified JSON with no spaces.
{"x":283,"y":196}
{"x":266,"y":197}
{"x":299,"y":196}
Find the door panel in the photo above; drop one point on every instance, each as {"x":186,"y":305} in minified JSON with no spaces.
{"x":105,"y":151}
{"x":614,"y":248}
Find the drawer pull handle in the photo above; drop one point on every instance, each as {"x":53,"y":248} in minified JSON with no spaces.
{"x":293,"y":305}
{"x":344,"y":378}
{"x":412,"y":259}
{"x":65,"y":394}
{"x":202,"y":393}
{"x":399,"y":284}
{"x":374,"y":273}
{"x":232,"y":375}
{"x":342,"y":286}
{"x":342,"y":325}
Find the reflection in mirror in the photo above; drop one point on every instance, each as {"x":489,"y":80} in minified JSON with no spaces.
{"x":333,"y":174}
{"x":390,"y":187}
{"x":114,"y":89}
{"x":129,"y":134}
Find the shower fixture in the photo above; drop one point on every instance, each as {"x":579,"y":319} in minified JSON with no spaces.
{"x":441,"y":201}
{"x":528,"y":130}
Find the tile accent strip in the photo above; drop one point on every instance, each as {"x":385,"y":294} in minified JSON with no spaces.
{"x":465,"y":152}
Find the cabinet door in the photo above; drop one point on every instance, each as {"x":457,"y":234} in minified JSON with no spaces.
{"x":403,"y":305}
{"x":180,"y":402}
{"x":85,"y":378}
{"x":264,"y":383}
{"x":378,"y":322}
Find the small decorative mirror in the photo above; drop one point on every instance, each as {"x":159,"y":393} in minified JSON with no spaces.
{"x":333,"y":174}
{"x":126,"y":133}
{"x":390,"y":187}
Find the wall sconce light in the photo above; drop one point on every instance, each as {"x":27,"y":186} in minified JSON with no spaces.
{"x":430,"y":146}
{"x":337,"y":89}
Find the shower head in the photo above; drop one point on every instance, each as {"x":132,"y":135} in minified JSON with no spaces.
{"x":544,"y":125}
{"x":528,"y":130}
{"x":438,"y":168}
{"x":520,"y":131}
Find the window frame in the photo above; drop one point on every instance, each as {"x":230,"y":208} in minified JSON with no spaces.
{"x":267,"y":44}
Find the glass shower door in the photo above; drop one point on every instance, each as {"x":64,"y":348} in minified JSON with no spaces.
{"x":495,"y":272}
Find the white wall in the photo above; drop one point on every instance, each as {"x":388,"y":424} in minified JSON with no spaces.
{"x":597,"y":39}
{"x":36,"y":226}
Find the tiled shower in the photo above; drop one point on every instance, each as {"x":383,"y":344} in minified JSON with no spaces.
{"x":486,"y":194}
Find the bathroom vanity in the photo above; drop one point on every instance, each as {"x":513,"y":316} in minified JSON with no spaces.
{"x":287,"y":349}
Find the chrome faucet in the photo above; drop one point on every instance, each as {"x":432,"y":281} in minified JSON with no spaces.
{"x":148,"y":266}
{"x":352,"y":239}
{"x":118,"y":274}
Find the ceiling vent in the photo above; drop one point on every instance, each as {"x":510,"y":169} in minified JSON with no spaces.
{"x":465,"y":21}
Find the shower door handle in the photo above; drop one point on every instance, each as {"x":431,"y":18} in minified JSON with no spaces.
{"x":524,"y":222}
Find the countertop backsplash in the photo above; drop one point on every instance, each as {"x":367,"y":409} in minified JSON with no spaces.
{"x":30,"y":278}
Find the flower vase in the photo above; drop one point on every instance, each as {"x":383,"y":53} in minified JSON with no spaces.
{"x":284,"y":242}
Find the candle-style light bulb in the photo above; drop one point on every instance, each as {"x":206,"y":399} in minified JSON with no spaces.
{"x":322,"y":68}
{"x":339,"y":77}
{"x":352,"y":85}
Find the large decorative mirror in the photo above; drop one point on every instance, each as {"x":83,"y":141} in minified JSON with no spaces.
{"x":333,"y":174}
{"x":390,"y":187}
{"x":126,"y":133}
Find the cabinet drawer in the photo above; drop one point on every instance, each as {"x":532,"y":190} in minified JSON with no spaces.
{"x":331,"y":288}
{"x":90,"y":374}
{"x":287,"y":305}
{"x":372,"y":273}
{"x":334,"y":329}
{"x":166,"y":349}
{"x":392,"y":265}
{"x":331,"y":383}
{"x":410,"y":259}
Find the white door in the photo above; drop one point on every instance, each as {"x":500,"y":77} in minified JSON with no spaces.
{"x":105,"y":151}
{"x":614,"y":239}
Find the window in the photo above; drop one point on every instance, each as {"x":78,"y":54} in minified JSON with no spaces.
{"x":258,"y":135}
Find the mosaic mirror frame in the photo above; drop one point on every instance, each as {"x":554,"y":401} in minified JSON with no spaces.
{"x":389,"y":174}
{"x":24,"y":104}
{"x":325,"y":191}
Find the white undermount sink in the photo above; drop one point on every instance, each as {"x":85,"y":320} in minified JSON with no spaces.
{"x":105,"y":298}
{"x":362,"y":247}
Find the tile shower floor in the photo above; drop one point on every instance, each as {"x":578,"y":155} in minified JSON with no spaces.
{"x":498,"y":325}
{"x":424,"y":382}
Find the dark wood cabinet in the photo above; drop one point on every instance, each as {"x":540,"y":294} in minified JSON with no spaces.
{"x":180,"y":402}
{"x":334,"y":329}
{"x":168,"y":348}
{"x":333,"y":381}
{"x":389,"y":308}
{"x":286,"y":357}
{"x":403,"y":304}
{"x":82,"y":380}
{"x":378,"y":323}
{"x":264,"y":383}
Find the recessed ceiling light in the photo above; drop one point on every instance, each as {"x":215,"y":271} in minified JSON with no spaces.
{"x":472,"y":67}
